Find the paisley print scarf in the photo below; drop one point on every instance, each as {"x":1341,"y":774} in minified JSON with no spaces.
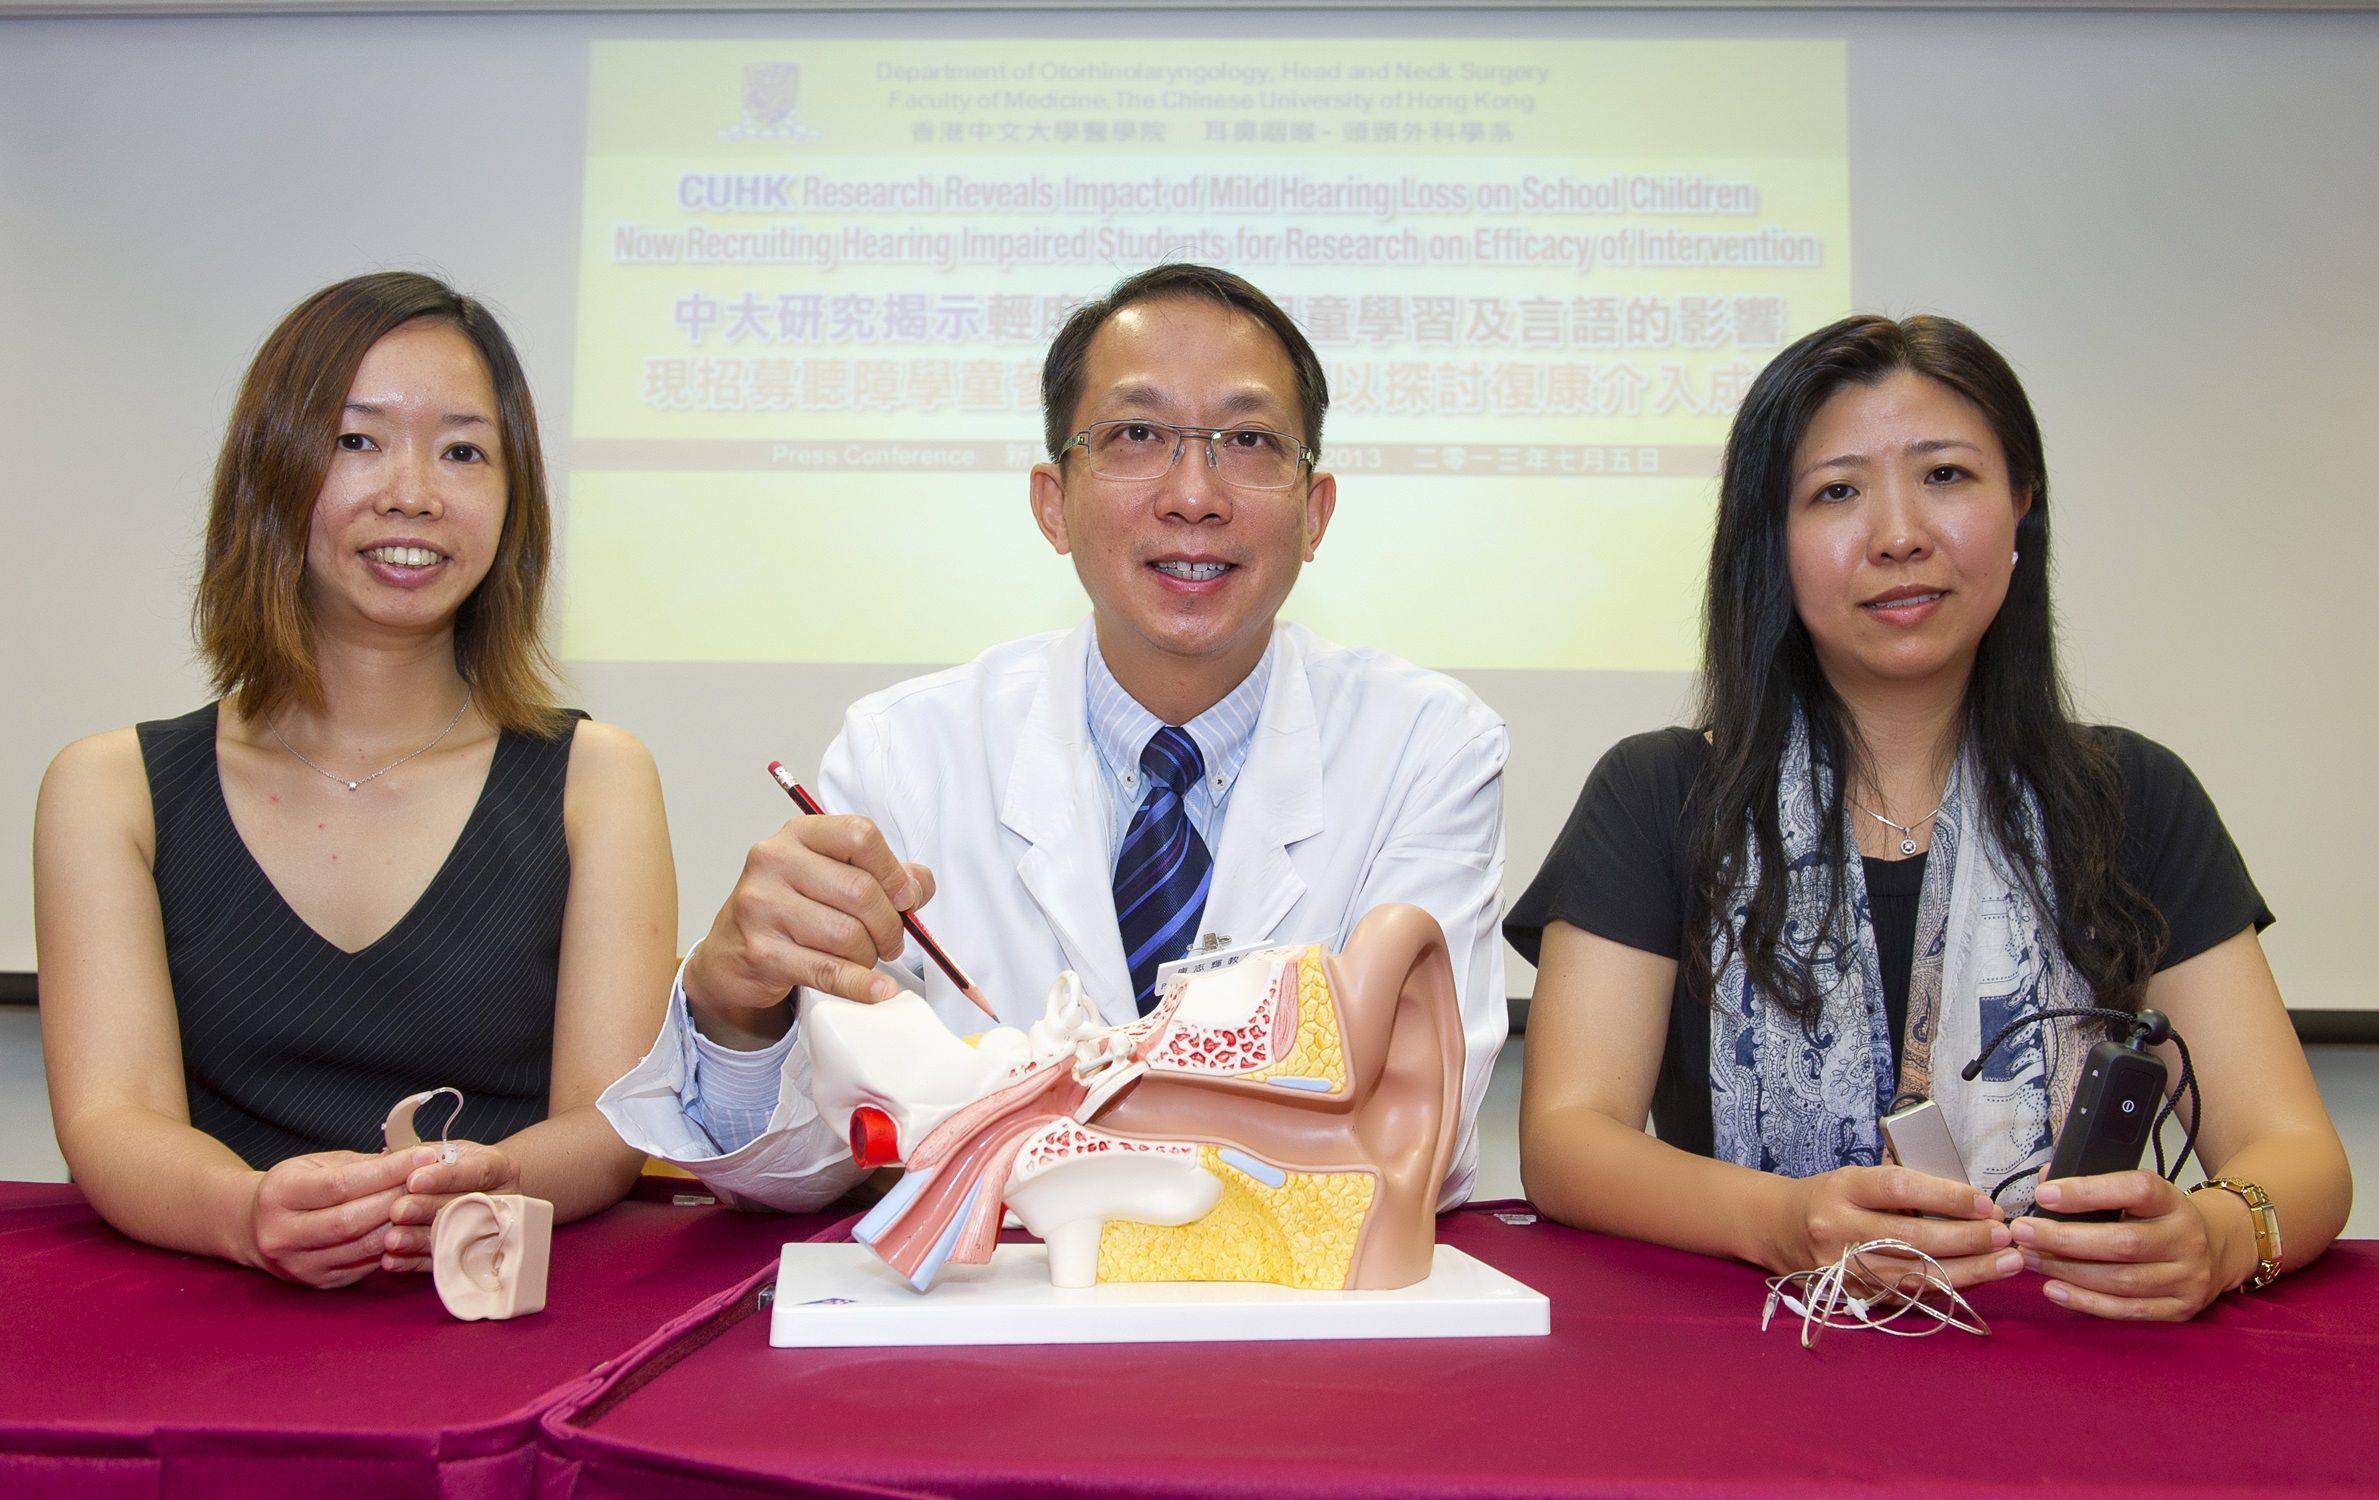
{"x":1803,"y":1098}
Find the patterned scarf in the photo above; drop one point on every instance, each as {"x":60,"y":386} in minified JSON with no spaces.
{"x":1804,"y":1099}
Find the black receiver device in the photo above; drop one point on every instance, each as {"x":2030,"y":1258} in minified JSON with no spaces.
{"x":2115,"y":1105}
{"x":2107,"y":1127}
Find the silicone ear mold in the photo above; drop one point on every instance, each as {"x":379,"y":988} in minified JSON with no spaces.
{"x":489,"y":1253}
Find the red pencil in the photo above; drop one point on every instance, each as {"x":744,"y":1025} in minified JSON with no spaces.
{"x":933,"y":950}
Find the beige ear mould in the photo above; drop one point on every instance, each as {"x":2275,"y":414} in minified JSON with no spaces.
{"x":489,"y":1253}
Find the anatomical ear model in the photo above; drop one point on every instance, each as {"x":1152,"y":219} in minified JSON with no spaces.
{"x":489,"y":1253}
{"x":1288,"y":1119}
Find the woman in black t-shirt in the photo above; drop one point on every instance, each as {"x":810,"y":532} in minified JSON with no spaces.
{"x":1886,"y":840}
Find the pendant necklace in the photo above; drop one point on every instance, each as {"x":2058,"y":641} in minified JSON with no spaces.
{"x":384,"y":770}
{"x":1907,"y":831}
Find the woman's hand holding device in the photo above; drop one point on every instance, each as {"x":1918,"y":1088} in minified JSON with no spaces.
{"x":432,"y":1181}
{"x":2170,"y":1255}
{"x":320,"y":1220}
{"x":2129,"y":1243}
{"x":1959,"y":1227}
{"x":331,"y":1218}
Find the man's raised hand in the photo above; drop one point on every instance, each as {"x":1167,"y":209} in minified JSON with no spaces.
{"x":819,"y":904}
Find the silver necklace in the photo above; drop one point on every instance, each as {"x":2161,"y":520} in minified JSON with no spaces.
{"x":384,"y":770}
{"x":1907,"y":831}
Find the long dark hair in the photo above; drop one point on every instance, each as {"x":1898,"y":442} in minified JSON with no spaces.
{"x":252,"y":617}
{"x":1759,"y":665}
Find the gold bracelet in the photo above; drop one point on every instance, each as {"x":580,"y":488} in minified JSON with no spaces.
{"x":2267,"y":1228}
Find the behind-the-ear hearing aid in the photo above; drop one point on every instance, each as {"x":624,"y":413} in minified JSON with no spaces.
{"x":397,"y":1133}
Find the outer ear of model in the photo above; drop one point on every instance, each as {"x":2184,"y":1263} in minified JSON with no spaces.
{"x":489,"y":1253}
{"x":1287,"y":1119}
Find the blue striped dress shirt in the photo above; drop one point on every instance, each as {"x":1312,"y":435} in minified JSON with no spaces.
{"x":1120,"y":728}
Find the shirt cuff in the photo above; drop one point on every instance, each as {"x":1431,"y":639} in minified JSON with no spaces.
{"x":729,"y":1094}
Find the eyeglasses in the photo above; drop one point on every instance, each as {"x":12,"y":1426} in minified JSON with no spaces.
{"x":1252,"y":458}
{"x":1874,"y":1285}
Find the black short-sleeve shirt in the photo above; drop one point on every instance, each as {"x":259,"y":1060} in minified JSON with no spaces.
{"x":1621,"y":870}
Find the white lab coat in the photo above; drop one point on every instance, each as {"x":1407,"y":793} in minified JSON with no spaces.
{"x":1369,"y":780}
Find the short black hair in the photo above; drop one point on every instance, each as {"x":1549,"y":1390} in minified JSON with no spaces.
{"x":1061,"y":372}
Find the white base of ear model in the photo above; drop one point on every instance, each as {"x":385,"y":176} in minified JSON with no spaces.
{"x":840,"y":1296}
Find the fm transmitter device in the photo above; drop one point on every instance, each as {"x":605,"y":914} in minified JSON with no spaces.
{"x":2119,"y":1105}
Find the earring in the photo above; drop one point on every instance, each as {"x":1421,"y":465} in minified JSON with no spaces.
{"x":2015,"y":558}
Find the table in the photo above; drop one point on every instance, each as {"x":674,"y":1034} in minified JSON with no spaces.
{"x":138,"y":1371}
{"x":135,"y":1371}
{"x":1656,"y":1382}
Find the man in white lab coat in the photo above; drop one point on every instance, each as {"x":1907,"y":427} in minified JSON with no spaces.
{"x":1181,"y":769}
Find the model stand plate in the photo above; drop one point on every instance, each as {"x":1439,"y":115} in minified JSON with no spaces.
{"x":842,"y":1296}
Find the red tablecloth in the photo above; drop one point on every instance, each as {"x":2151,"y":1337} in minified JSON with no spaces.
{"x":136,"y":1371}
{"x":1656,"y":1382}
{"x":139,"y":1372}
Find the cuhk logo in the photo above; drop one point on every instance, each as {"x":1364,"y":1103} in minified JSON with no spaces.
{"x":771,"y":104}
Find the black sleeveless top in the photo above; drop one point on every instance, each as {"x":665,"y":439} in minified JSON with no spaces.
{"x":291,"y":1044}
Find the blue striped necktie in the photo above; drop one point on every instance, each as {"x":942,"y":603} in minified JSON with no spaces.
{"x":1164,"y":870}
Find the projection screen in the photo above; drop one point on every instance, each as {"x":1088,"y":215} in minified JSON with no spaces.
{"x":816,"y":282}
{"x":782,"y":283}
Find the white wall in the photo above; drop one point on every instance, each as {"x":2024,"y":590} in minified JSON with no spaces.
{"x":2165,"y":220}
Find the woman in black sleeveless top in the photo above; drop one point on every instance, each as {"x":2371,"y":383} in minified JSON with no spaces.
{"x":384,"y":862}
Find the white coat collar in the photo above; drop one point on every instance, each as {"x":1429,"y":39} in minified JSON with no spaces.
{"x":1275,"y":804}
{"x":1057,"y":802}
